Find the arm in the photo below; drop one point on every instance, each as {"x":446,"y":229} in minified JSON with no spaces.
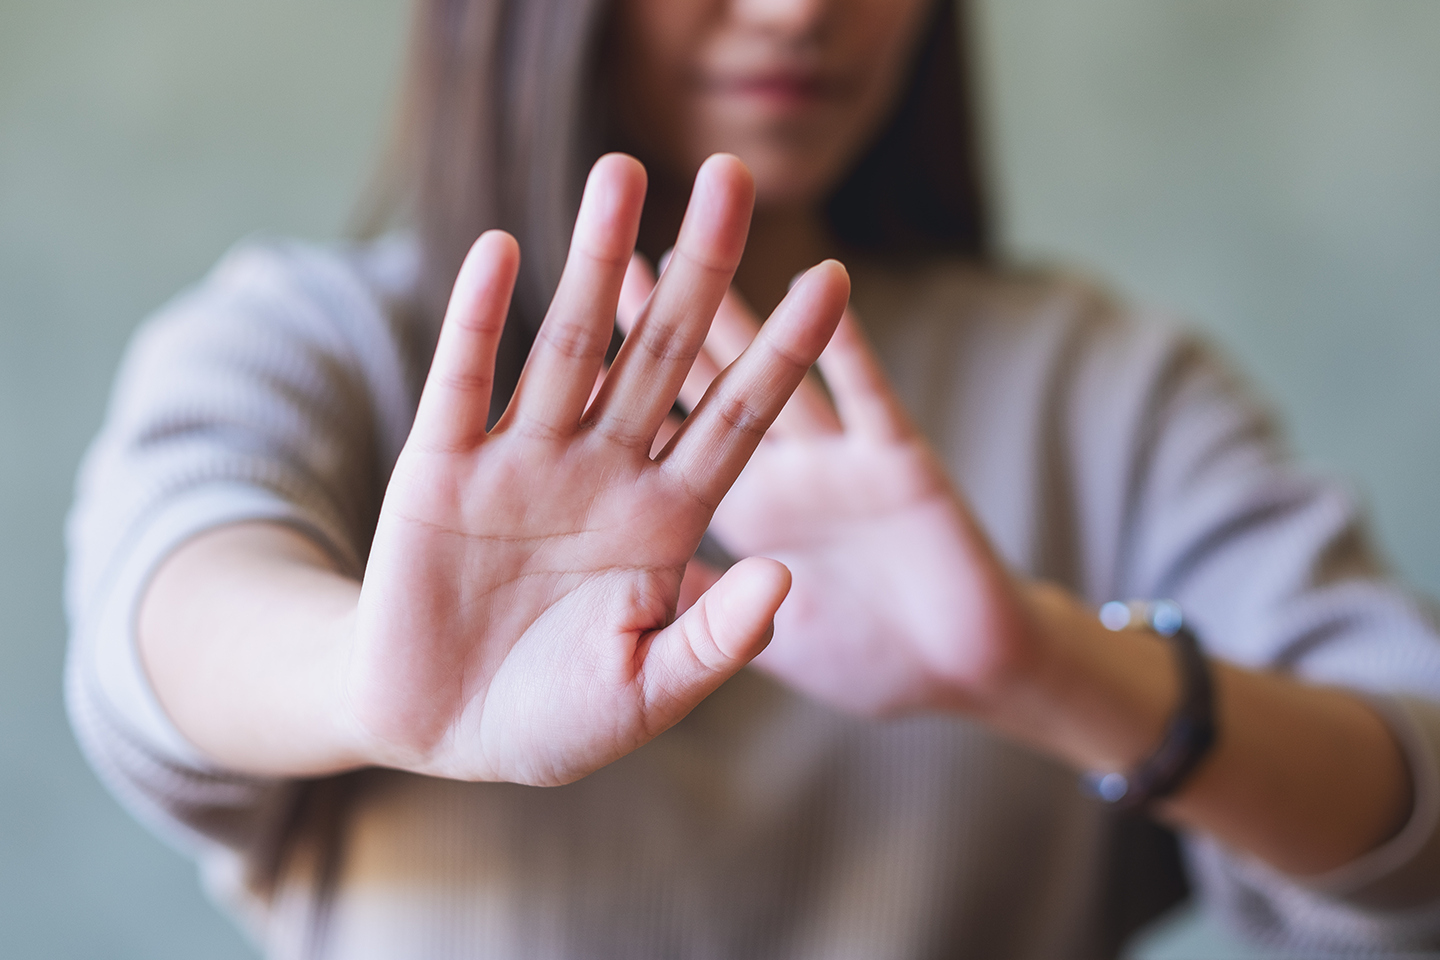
{"x":514,"y":621}
{"x":243,"y":633}
{"x":900,"y":604}
{"x":1307,"y":778}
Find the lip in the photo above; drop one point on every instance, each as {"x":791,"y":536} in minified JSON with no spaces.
{"x":779,"y":88}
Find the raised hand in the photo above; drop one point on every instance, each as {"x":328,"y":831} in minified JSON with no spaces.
{"x":515,"y":621}
{"x":898,"y":601}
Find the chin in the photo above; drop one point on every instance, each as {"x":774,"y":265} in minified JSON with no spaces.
{"x":797,"y":162}
{"x":788,"y":181}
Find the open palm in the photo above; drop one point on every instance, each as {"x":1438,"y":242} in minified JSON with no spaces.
{"x":515,"y":620}
{"x":898,"y":602}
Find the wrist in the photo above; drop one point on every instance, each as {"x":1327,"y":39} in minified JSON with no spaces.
{"x":1093,"y":698}
{"x":349,"y":744}
{"x":1189,"y":732}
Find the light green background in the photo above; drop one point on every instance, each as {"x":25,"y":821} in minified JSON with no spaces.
{"x":1268,"y":168}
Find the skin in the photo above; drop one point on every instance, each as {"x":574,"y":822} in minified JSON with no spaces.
{"x":447,"y":659}
{"x":506,"y":628}
{"x":796,"y":88}
{"x":899,"y":603}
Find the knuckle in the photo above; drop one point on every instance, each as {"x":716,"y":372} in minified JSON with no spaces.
{"x":478,"y":322}
{"x":701,"y":497}
{"x":624,"y":432}
{"x":538,"y":430}
{"x":573,"y":341}
{"x":741,"y":416}
{"x":465,"y":381}
{"x":788,"y":354}
{"x":664,"y":341}
{"x":704,"y":646}
{"x":607,"y":255}
{"x":698,"y":259}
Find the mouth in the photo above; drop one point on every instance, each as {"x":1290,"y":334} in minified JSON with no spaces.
{"x":784,"y":89}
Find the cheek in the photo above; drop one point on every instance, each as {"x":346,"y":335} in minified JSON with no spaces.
{"x":883,"y":37}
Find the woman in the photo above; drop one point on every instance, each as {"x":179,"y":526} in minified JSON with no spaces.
{"x":406,"y":667}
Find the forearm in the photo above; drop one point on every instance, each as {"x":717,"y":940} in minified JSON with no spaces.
{"x":1307,"y":778}
{"x":243,"y":632}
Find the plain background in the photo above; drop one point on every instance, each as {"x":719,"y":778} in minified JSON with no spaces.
{"x":1270,"y":169}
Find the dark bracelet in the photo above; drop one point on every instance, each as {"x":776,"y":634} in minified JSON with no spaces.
{"x":1190,"y":734}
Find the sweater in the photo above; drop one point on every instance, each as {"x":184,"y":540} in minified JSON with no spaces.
{"x":1100,"y":447}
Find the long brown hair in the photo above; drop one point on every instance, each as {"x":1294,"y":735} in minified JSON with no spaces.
{"x":500,"y":117}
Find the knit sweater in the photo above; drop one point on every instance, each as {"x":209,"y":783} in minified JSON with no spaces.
{"x":1100,"y":448}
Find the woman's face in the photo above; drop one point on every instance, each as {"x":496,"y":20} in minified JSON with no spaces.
{"x":795,"y":88}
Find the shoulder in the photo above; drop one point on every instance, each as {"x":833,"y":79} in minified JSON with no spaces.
{"x":1046,"y":341}
{"x":1056,"y":405}
{"x":287,"y":285}
{"x":1006,"y":308}
{"x":384,"y":267}
{"x":284,"y":315}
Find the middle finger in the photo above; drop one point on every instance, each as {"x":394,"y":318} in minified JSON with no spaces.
{"x":570,"y":347}
{"x":670,"y":329}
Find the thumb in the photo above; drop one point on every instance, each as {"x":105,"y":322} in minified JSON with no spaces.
{"x":710,"y":642}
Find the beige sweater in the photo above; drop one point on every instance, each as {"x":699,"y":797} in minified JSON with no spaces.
{"x":1101,"y":449}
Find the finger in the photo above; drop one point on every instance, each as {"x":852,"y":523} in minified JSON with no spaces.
{"x":730,"y":333}
{"x":702,"y":373}
{"x":728,"y":625}
{"x":635,"y":289}
{"x":669,"y":330}
{"x":809,"y":411}
{"x":570,"y":346}
{"x":639,"y":282}
{"x":668,"y":428}
{"x":456,"y":400}
{"x":718,"y":438}
{"x":864,"y":396}
{"x":599,"y":382}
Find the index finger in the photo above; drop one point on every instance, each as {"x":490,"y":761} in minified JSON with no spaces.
{"x":717,"y":439}
{"x":809,"y":411}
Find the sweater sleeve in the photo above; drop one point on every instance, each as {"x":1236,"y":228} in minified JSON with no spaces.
{"x":280,"y":389}
{"x":1275,"y":572}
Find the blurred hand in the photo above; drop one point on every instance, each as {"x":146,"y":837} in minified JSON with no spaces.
{"x":898,"y":602}
{"x":515,"y":620}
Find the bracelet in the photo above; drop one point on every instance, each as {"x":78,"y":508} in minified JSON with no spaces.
{"x":1190,"y":734}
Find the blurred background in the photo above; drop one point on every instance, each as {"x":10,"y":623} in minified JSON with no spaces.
{"x":1270,"y":170}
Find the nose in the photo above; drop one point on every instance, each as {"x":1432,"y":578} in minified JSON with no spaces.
{"x":781,"y":16}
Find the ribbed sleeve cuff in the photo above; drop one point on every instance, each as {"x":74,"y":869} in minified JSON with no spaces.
{"x":1405,"y":870}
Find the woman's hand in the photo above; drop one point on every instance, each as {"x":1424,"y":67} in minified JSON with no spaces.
{"x":898,"y":601}
{"x":515,"y":618}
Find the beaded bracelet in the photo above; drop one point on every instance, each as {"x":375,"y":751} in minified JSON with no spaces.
{"x":1190,"y":734}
